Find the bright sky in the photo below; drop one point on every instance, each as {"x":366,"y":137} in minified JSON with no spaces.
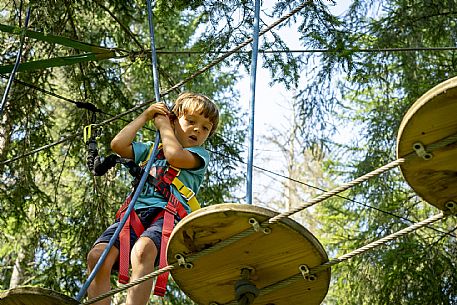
{"x":271,"y":105}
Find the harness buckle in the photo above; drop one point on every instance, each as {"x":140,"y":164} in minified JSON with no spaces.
{"x":189,"y":195}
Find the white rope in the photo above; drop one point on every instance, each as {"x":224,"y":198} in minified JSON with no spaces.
{"x":379,"y":242}
{"x":335,"y":191}
{"x":131,"y":284}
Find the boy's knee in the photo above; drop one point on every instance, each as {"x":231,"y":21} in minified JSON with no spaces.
{"x":144,"y":251}
{"x":94,"y":255}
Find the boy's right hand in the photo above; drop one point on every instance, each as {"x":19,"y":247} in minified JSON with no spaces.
{"x":156,"y":109}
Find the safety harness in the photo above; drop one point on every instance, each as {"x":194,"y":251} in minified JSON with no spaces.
{"x":163,"y":182}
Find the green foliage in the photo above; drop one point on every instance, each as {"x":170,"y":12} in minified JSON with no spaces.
{"x":376,"y":89}
{"x":52,"y":209}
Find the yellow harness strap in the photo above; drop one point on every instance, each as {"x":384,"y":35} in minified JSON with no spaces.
{"x":186,"y":192}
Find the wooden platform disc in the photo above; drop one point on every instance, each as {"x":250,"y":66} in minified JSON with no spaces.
{"x":34,"y":296}
{"x":273,"y":257}
{"x":431,"y":118}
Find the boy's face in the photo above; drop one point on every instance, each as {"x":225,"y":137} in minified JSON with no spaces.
{"x":192,"y":129}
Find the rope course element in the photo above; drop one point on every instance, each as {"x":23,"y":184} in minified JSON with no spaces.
{"x":324,"y":266}
{"x":278,"y":218}
{"x":285,"y":282}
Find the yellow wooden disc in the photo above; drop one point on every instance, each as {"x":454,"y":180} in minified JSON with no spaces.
{"x":34,"y":296}
{"x":273,"y":255}
{"x":432,"y":117}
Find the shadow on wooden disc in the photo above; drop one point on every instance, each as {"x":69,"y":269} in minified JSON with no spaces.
{"x":272,"y":257}
{"x":432,"y":118}
{"x":34,"y":296}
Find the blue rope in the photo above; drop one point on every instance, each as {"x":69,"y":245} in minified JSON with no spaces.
{"x":255,"y":51}
{"x":155,"y":74}
{"x":16,"y":64}
{"x":147,"y":169}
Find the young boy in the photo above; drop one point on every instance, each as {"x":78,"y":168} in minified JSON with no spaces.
{"x":183,"y":131}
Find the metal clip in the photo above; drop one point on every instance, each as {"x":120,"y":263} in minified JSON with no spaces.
{"x":421,"y":152}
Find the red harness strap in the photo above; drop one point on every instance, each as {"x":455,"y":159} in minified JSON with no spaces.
{"x":168,"y":224}
{"x":173,"y":207}
{"x":133,"y":221}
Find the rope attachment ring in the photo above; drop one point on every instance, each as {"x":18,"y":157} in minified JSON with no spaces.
{"x":306,"y":273}
{"x":420,"y":150}
{"x":258,"y":227}
{"x":182,"y":261}
{"x":451,"y":207}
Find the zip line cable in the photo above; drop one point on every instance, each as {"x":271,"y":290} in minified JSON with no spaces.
{"x":339,"y":50}
{"x":17,"y":63}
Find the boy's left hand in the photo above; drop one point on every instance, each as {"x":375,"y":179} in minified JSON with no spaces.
{"x":161,"y":120}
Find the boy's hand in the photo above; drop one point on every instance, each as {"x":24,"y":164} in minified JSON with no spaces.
{"x":155,"y":110}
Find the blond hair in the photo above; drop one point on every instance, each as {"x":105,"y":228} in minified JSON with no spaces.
{"x":189,"y":102}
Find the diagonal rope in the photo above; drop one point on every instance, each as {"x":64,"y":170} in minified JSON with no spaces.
{"x":379,"y":242}
{"x":176,"y":86}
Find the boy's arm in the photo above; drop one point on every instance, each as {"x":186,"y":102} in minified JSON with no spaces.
{"x":122,"y":142}
{"x":175,"y":154}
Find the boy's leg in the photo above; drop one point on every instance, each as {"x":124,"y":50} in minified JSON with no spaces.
{"x":143,"y":256}
{"x":101,"y":282}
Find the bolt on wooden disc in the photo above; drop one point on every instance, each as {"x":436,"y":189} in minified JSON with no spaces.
{"x":430,"y":120}
{"x":34,"y":296}
{"x":273,"y":255}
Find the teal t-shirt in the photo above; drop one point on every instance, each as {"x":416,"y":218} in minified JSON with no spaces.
{"x":192,"y":178}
